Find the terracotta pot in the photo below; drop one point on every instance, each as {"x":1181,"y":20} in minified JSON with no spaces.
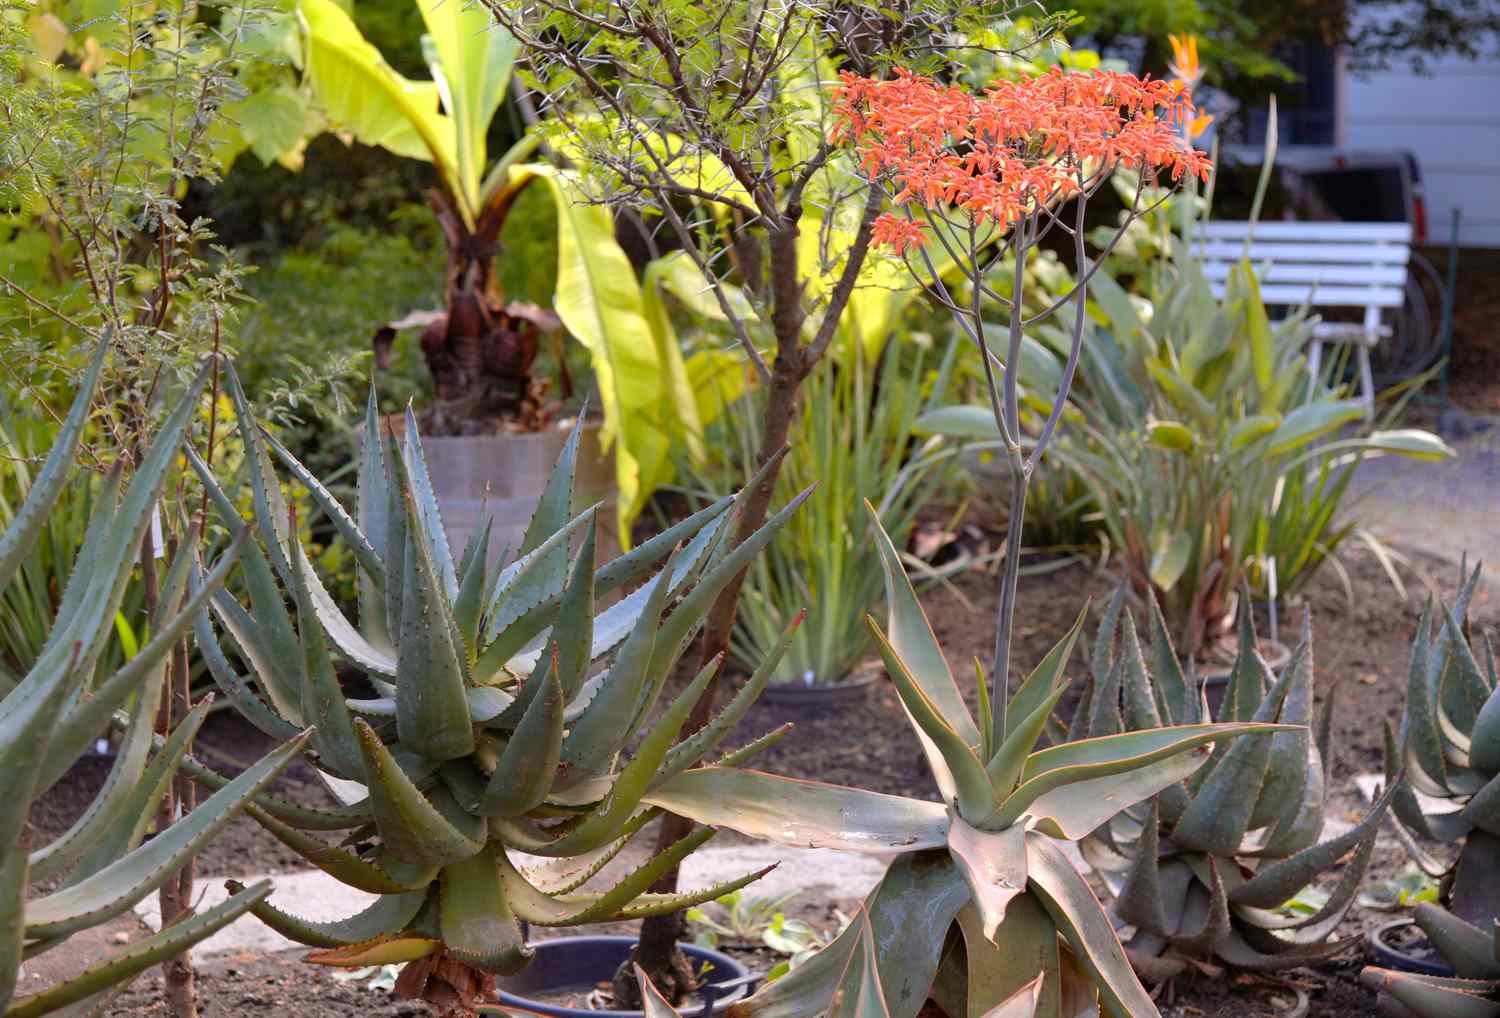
{"x":503,"y":475}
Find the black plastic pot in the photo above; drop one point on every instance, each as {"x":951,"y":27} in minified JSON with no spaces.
{"x":584,"y":962}
{"x":1215,"y":676}
{"x":821,"y":694}
{"x":1388,"y":955}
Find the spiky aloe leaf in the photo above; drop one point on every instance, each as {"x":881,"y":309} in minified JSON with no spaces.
{"x":396,"y":949}
{"x":145,"y":797}
{"x":85,"y":615}
{"x":911,"y":911}
{"x":1219,"y":813}
{"x":354,"y":537}
{"x":1045,"y":678}
{"x":322,"y":700}
{"x":1470,"y":950}
{"x":685,"y":619}
{"x":107,"y":810}
{"x":479,"y":926}
{"x":695,"y":747}
{"x":1424,"y":741}
{"x":118,"y":967}
{"x":24,"y":735}
{"x":975,"y":796}
{"x":49,"y":483}
{"x":911,"y":635}
{"x":387,"y":914}
{"x":597,"y":736}
{"x":232,"y":684}
{"x":121,"y":884}
{"x":791,"y":811}
{"x":344,"y":866}
{"x":1075,"y":762}
{"x":1027,"y":723}
{"x":607,"y":821}
{"x":528,"y":765}
{"x":1435,"y":997}
{"x":371,"y":501}
{"x":994,"y":864}
{"x":1082,"y":922}
{"x":543,"y":909}
{"x":432,"y":707}
{"x":413,"y":827}
{"x":573,"y":633}
{"x":1181,"y":699}
{"x":859,"y":994}
{"x":76,"y":730}
{"x":1287,"y":769}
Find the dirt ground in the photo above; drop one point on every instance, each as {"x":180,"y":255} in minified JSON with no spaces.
{"x":1364,"y":647}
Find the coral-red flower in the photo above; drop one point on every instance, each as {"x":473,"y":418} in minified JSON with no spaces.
{"x":1021,"y":145}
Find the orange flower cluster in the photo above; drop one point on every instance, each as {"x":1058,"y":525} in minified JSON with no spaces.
{"x":1023,"y":144}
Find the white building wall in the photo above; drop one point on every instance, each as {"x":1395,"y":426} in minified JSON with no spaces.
{"x":1450,"y":118}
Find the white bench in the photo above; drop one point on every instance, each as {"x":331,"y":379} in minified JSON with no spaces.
{"x":1318,"y":265}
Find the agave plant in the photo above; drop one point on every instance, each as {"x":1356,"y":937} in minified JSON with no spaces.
{"x":1201,"y":869}
{"x":490,"y":731}
{"x":1449,"y":744}
{"x":51,"y":717}
{"x":980,"y":900}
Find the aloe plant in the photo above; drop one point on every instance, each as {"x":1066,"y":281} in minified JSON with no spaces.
{"x":1201,"y":869}
{"x":1449,"y":744}
{"x":490,"y":731}
{"x":1472,"y":992}
{"x":51,"y":717}
{"x":980,"y":900}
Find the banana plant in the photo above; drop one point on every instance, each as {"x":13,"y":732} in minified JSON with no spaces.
{"x":980,"y":901}
{"x":1202,"y":869}
{"x":52,"y":716}
{"x":480,"y":347}
{"x":1449,"y":743}
{"x":504,"y":699}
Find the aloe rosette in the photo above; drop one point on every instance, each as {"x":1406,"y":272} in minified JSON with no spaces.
{"x":490,"y":731}
{"x":1202,"y":869}
{"x":102,"y":865}
{"x":1449,"y":745}
{"x":980,"y":902}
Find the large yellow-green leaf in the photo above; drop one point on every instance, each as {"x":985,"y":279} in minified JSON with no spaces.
{"x":600,"y":303}
{"x":362,"y":94}
{"x":476,"y":56}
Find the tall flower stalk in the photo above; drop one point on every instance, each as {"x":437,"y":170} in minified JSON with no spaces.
{"x":979,"y":176}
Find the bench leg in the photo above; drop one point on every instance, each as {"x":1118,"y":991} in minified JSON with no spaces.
{"x":1314,"y":367}
{"x":1366,"y":382}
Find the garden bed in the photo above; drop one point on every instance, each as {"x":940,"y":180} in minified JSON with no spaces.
{"x":1364,"y":646}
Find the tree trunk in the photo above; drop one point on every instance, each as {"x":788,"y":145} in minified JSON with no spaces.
{"x":657,"y":950}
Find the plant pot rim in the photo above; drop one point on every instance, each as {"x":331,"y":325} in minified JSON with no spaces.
{"x":1393,"y":957}
{"x":803,"y":694}
{"x":579,"y":956}
{"x":559,"y":425}
{"x":1217,"y":673}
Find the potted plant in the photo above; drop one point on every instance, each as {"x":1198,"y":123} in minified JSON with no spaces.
{"x":493,"y":434}
{"x":1449,"y":749}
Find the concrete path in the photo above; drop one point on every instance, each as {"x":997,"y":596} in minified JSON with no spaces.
{"x":1448,"y":509}
{"x":821,"y":874}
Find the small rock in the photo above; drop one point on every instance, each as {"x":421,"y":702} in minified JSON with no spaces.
{"x":121,"y":938}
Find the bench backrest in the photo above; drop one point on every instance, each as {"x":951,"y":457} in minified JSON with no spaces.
{"x":1322,"y":264}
